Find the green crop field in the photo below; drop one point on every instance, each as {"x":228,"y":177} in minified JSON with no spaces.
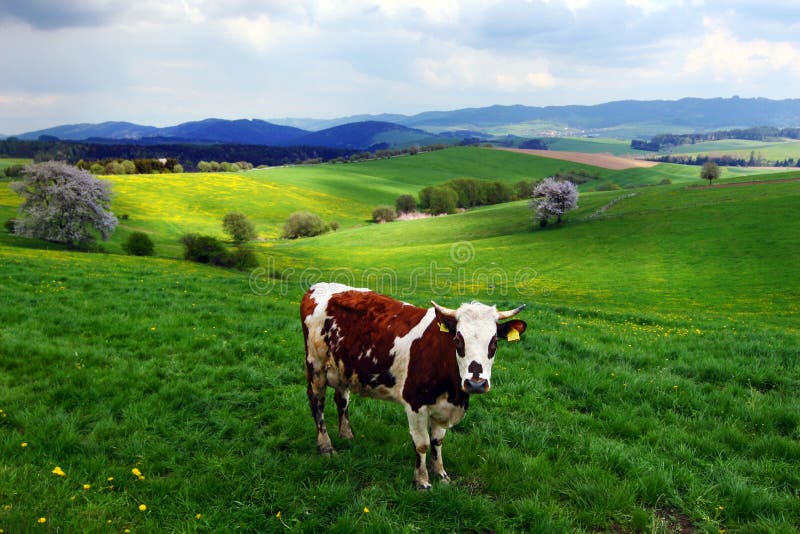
{"x":657,"y":388}
{"x":593,"y":145}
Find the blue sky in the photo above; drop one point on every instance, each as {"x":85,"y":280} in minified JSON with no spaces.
{"x":161,"y":62}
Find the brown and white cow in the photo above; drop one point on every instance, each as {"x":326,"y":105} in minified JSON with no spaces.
{"x":429,"y":360}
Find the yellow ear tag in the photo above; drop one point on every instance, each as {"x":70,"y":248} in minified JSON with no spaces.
{"x":443,"y":328}
{"x":512,"y":335}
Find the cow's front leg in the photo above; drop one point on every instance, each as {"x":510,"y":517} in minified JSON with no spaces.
{"x":437,"y":437}
{"x":418,"y":427}
{"x":342,"y":398}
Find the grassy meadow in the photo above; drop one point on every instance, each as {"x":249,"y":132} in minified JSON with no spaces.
{"x":656,"y":389}
{"x":770,"y":150}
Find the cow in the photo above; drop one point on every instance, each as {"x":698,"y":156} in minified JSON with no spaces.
{"x":428,"y":360}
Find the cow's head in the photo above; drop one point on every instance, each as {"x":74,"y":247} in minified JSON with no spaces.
{"x":475,"y":328}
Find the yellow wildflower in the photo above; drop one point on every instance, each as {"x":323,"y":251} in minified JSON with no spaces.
{"x":87,"y":486}
{"x":136,"y":472}
{"x":366,"y":510}
{"x":58,"y":471}
{"x":42,"y":520}
{"x":278,"y":515}
{"x":6,"y":507}
{"x":142,"y":507}
{"x":23,"y":444}
{"x":198,"y":516}
{"x":110,"y":479}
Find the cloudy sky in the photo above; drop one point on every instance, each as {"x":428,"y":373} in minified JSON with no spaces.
{"x":161,"y":62}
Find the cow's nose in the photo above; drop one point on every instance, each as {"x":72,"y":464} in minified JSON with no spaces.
{"x":480,"y":385}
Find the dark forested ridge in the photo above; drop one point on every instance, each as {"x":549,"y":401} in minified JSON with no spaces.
{"x":187,"y":154}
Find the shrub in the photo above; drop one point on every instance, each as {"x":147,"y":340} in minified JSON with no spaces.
{"x":304,"y":224}
{"x":138,"y":244}
{"x":203,"y":249}
{"x":242,"y":259}
{"x":608,"y":186}
{"x":239,"y":227}
{"x":442,"y":200}
{"x":14,"y":171}
{"x":665,"y":181}
{"x":9,"y":225}
{"x":334,"y":226}
{"x":384,"y":214}
{"x":406,"y":204}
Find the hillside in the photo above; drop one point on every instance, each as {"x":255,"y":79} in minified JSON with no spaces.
{"x":655,"y":388}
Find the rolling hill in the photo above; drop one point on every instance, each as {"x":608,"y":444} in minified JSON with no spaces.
{"x":655,"y":389}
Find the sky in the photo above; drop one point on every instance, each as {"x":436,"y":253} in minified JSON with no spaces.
{"x":163,"y":62}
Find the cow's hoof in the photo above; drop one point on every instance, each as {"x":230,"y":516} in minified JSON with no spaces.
{"x":444,"y":478}
{"x":346,"y":434}
{"x":327,"y":451}
{"x":422,"y":486}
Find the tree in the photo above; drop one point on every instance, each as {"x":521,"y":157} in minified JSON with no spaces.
{"x":64,"y":204}
{"x":442,"y":200}
{"x":239,"y":227}
{"x":406,"y":204}
{"x":552,"y":198}
{"x":709,"y":171}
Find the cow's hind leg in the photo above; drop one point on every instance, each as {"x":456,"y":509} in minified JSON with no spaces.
{"x":437,"y":437}
{"x":342,"y":398}
{"x":317,"y":384}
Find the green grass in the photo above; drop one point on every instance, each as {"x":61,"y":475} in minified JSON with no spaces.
{"x":657,"y":383}
{"x":593,"y":145}
{"x":770,"y":150}
{"x":8,"y":162}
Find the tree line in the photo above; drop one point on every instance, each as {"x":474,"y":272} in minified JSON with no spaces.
{"x":727,"y":160}
{"x":759,"y":133}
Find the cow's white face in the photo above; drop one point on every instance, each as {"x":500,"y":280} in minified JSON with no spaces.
{"x":476,"y":343}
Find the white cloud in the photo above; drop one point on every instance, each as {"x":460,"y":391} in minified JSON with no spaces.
{"x":728,"y":58}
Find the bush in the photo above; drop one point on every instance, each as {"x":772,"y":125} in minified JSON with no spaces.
{"x":203,"y":249}
{"x":665,"y":181}
{"x":406,"y":204}
{"x":304,"y":224}
{"x":207,"y":249}
{"x":442,"y":200}
{"x":608,"y":186}
{"x":14,"y":171}
{"x":334,"y":226}
{"x":384,"y":214}
{"x":9,"y":225}
{"x":239,"y":227}
{"x":138,"y":244}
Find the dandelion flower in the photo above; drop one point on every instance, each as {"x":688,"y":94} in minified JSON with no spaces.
{"x":136,"y":472}
{"x":142,"y":507}
{"x":42,"y":520}
{"x":198,"y":516}
{"x":278,"y":515}
{"x":87,"y":486}
{"x":58,"y":471}
{"x":23,"y":444}
{"x":6,"y":507}
{"x":110,"y":479}
{"x":366,"y":510}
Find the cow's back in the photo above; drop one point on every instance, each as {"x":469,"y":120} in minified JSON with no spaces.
{"x":354,"y":331}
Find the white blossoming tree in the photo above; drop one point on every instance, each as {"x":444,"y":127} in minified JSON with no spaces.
{"x":63,"y":204}
{"x":552,"y":198}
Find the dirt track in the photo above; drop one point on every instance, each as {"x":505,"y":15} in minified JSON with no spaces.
{"x":604,"y":160}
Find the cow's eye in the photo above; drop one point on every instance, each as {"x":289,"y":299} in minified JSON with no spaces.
{"x":459,"y":340}
{"x":492,"y":346}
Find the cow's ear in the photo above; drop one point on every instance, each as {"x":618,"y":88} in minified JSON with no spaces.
{"x":446,"y":323}
{"x":511,"y":330}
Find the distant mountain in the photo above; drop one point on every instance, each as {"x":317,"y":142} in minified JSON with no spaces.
{"x":626,"y":119}
{"x":243,"y":131}
{"x":629,"y":118}
{"x":367,"y":134}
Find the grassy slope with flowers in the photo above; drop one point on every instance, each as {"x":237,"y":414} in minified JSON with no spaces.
{"x":657,"y":384}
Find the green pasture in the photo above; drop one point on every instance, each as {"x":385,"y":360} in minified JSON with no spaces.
{"x":770,"y":150}
{"x":593,"y":145}
{"x":656,"y":387}
{"x":8,"y":162}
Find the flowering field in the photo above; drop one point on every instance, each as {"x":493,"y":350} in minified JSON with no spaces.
{"x":656,"y":389}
